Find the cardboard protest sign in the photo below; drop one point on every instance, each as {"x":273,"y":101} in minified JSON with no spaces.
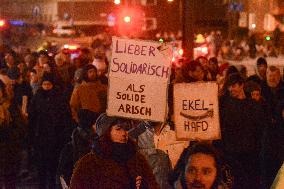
{"x":196,"y":111}
{"x":139,"y":74}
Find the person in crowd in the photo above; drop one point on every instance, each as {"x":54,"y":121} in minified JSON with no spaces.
{"x":101,"y":66}
{"x":242,"y":125}
{"x":273,"y":91}
{"x":253,"y":91}
{"x":213,"y":68}
{"x":192,"y":71}
{"x":49,"y":115}
{"x":34,"y":81}
{"x":243,"y":71}
{"x":223,"y":92}
{"x":114,"y":162}
{"x":203,"y":167}
{"x":30,"y":61}
{"x":9,"y":141}
{"x":10,"y":60}
{"x":158,"y":160}
{"x":22,"y":92}
{"x":80,"y":144}
{"x":62,"y":69}
{"x":90,"y":95}
{"x":273,"y":146}
{"x":205,"y":65}
{"x":43,"y":58}
{"x":260,"y":76}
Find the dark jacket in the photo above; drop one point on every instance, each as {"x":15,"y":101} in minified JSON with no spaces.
{"x":96,"y":172}
{"x":79,"y":146}
{"x":242,"y":124}
{"x":49,"y":115}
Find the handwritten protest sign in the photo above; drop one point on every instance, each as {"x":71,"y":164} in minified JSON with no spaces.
{"x":138,"y":79}
{"x":196,"y":111}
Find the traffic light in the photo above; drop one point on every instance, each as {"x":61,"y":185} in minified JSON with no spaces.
{"x":129,"y":21}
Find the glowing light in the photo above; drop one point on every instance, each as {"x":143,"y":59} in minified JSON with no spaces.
{"x":2,"y":23}
{"x":73,"y":47}
{"x":204,"y":50}
{"x":117,"y":2}
{"x":253,"y":25}
{"x":180,"y":52}
{"x":267,"y":38}
{"x":66,"y":46}
{"x":127,"y":19}
{"x":200,"y":38}
{"x":161,"y":40}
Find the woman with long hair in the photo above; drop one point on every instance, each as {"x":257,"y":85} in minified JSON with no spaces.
{"x":114,"y":162}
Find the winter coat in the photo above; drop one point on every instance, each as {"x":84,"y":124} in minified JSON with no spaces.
{"x":95,"y":172}
{"x":242,"y":124}
{"x":10,"y":136}
{"x":90,"y":96}
{"x":79,"y":146}
{"x":49,"y":115}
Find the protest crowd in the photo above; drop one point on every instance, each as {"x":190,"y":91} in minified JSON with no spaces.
{"x":54,"y":128}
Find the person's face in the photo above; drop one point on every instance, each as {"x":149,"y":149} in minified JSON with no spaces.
{"x":9,"y":60}
{"x":92,"y":74}
{"x":101,"y":72}
{"x":46,"y":67}
{"x":204,"y":63}
{"x":273,"y":78}
{"x":34,"y":77}
{"x":201,"y":171}
{"x":47,"y":85}
{"x":118,"y":134}
{"x":262,"y":70}
{"x":59,"y":62}
{"x":255,"y":95}
{"x":42,"y":60}
{"x":236,"y":90}
{"x":197,"y":74}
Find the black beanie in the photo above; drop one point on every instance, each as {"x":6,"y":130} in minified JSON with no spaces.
{"x":48,"y":77}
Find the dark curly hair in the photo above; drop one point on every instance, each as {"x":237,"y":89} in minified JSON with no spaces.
{"x":204,"y":148}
